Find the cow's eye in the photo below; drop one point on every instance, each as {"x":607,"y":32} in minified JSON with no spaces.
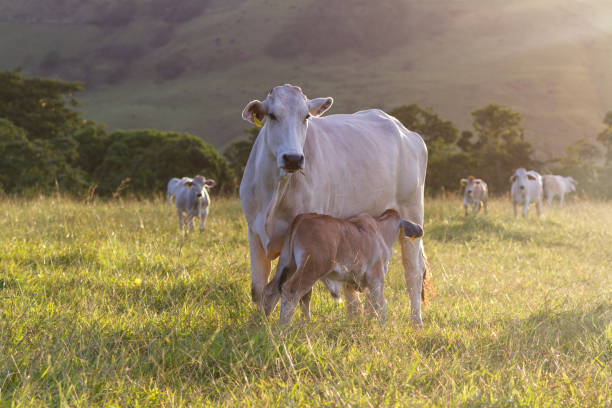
{"x":307,"y":117}
{"x":271,"y":115}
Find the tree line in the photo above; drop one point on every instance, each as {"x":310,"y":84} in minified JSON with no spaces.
{"x":46,"y":145}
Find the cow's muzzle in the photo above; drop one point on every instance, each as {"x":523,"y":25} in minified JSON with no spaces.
{"x":293,"y":162}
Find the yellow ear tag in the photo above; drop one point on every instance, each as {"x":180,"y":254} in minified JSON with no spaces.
{"x":413,"y":239}
{"x":257,"y":121}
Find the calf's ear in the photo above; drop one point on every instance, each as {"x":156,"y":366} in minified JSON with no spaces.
{"x":463,"y":181}
{"x":188,"y":183}
{"x":411,"y":229}
{"x":512,"y":178}
{"x":531,"y":177}
{"x":318,"y":106}
{"x":254,"y":109}
{"x":210,"y":183}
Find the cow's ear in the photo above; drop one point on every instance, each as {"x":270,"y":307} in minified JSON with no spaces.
{"x":254,"y":109}
{"x":512,"y":178}
{"x":210,"y":183}
{"x":318,"y":106}
{"x":463,"y":181}
{"x":531,"y":177}
{"x":188,"y":183}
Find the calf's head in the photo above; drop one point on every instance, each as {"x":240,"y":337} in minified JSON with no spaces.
{"x":520,"y":178}
{"x":286,"y":111}
{"x":469,"y":184}
{"x":199,"y":183}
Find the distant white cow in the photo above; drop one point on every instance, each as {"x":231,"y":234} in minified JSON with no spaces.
{"x":476,"y":194}
{"x":192,"y":200}
{"x":172,"y":185}
{"x":526,"y":189}
{"x":557,"y":186}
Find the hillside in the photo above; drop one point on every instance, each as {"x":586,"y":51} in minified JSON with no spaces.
{"x":193,"y":65}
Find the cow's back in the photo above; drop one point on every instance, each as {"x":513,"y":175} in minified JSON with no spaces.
{"x":372,"y":162}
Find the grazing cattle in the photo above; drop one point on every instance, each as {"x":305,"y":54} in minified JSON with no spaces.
{"x":526,"y":189}
{"x":352,"y":255}
{"x":172,"y":185}
{"x":557,"y":186}
{"x":339,"y":165}
{"x":192,"y":200}
{"x":476,"y":194}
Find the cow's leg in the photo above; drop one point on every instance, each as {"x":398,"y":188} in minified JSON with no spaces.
{"x":550,"y":199}
{"x":181,"y":220}
{"x":561,"y":200}
{"x":413,"y":259}
{"x":260,"y":268}
{"x":305,"y":304}
{"x":465,"y":207}
{"x":353,"y":304}
{"x":525,"y":208}
{"x":475,"y":208}
{"x":486,"y":210}
{"x":203,"y":217}
{"x":375,"y":299}
{"x":539,"y":206}
{"x":514,"y":208}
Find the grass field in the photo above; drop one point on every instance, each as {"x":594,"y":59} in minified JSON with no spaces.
{"x":106,"y":304}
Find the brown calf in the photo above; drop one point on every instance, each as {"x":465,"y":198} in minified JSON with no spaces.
{"x":351,"y":254}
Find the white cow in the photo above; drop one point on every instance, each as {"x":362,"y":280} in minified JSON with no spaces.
{"x":526,"y":189}
{"x":557,"y":186}
{"x":339,"y":165}
{"x":192,"y":200}
{"x":172,"y":185}
{"x":476,"y":194}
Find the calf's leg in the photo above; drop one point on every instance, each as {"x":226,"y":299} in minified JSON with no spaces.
{"x":353,"y":304}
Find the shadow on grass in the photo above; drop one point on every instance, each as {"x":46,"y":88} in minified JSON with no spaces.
{"x":483,"y":228}
{"x":578,"y":335}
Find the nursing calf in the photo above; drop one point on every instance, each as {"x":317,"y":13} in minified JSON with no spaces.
{"x":476,"y":194}
{"x":351,"y":255}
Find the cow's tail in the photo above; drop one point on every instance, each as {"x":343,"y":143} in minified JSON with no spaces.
{"x":427,"y":289}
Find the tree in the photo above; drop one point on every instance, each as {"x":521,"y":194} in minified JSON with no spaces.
{"x":237,"y":153}
{"x":427,"y":123}
{"x":500,"y":146}
{"x":40,"y":106}
{"x":605,"y":138}
{"x":150,"y":158}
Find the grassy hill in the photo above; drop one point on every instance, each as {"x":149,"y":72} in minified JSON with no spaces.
{"x":193,"y":65}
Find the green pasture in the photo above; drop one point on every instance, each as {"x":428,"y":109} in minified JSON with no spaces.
{"x":107,"y":304}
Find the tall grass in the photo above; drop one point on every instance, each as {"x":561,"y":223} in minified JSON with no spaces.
{"x":108,"y":304}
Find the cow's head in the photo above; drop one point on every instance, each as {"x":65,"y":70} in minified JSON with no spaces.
{"x":469,"y":185}
{"x":571,"y":183}
{"x":520,"y":179}
{"x":199,"y":183}
{"x":286,"y":111}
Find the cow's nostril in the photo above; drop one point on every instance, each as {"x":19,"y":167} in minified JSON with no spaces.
{"x":293,"y":161}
